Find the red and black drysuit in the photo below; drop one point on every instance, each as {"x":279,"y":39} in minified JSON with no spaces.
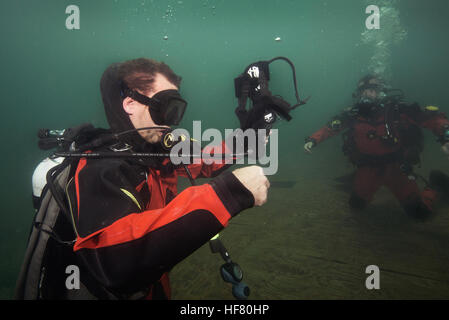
{"x":383,"y":144}
{"x":132,"y":226}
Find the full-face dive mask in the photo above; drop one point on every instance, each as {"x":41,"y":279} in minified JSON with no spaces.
{"x":370,"y":92}
{"x":166,"y":107}
{"x":266,"y":108}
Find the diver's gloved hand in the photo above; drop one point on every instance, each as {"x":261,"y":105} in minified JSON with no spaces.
{"x":445,"y":148}
{"x":308,"y":146}
{"x":255,"y":181}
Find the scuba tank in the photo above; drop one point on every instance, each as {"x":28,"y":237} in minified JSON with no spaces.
{"x":39,"y":178}
{"x":52,"y":234}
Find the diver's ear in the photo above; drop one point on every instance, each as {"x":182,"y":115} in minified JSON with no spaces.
{"x":129,"y":105}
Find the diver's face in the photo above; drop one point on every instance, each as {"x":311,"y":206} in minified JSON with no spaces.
{"x":139,"y":113}
{"x":371,"y":91}
{"x":370,"y":94}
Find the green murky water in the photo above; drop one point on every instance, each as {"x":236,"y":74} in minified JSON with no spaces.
{"x":50,"y":78}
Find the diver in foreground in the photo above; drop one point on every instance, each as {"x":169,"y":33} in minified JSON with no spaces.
{"x":129,"y":224}
{"x":383,"y":140}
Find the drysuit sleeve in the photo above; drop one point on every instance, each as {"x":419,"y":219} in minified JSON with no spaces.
{"x":430,"y":118}
{"x":212,"y":164}
{"x":127,"y":248}
{"x":332,"y":128}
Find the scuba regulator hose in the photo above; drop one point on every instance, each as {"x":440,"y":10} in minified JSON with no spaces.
{"x":168,"y":141}
{"x":295,"y":83}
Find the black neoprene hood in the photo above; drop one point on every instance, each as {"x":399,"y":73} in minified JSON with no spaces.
{"x":118,"y":119}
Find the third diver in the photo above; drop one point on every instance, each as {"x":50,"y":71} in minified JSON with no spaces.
{"x":382,"y":138}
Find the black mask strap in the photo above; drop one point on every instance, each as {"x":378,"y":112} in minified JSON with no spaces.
{"x":127,"y":92}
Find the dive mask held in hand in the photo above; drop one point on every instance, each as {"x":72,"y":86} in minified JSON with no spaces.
{"x":266,"y":108}
{"x":166,"y":107}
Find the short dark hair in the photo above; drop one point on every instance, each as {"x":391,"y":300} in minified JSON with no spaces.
{"x":138,"y":74}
